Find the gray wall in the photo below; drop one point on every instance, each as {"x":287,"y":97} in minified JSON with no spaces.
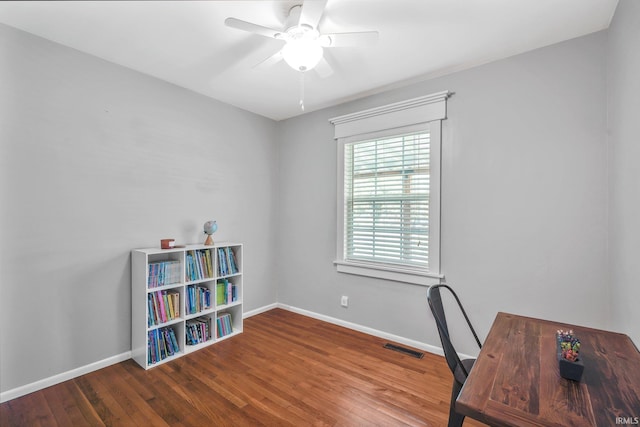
{"x":524,"y":223}
{"x":624,"y":173}
{"x":97,"y":160}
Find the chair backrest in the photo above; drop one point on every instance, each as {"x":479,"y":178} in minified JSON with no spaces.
{"x":434,"y":298}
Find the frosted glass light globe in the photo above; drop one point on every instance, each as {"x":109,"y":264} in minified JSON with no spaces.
{"x":302,"y":54}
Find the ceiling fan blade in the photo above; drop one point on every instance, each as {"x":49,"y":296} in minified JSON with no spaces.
{"x":363,"y":38}
{"x":270,"y":61}
{"x":252,"y":28}
{"x":323,"y":68}
{"x":311,"y":13}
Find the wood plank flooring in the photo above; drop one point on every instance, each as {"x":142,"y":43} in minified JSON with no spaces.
{"x":284,"y":370}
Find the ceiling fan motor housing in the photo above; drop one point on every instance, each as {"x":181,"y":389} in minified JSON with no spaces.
{"x":304,"y":44}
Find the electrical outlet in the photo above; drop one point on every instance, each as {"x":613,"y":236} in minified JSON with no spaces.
{"x":344,"y":301}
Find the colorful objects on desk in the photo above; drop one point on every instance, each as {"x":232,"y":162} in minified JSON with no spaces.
{"x":569,"y":362}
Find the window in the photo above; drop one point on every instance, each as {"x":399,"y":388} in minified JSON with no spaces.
{"x":389,"y":190}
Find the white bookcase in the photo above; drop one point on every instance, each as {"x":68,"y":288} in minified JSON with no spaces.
{"x":169,"y":290}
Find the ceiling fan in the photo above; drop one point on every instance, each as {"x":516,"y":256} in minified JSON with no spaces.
{"x":304,"y":44}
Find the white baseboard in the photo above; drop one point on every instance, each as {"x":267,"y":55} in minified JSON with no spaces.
{"x":259,"y":310}
{"x":57,"y":379}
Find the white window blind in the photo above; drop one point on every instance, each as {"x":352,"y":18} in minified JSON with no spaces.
{"x":387,"y":200}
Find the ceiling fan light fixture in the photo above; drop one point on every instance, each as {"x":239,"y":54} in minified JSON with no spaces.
{"x":302,"y":54}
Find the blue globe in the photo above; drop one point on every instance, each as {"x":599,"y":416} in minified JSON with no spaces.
{"x":210,"y":227}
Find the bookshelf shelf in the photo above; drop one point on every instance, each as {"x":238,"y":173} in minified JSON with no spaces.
{"x":184,"y":299}
{"x":198,"y":282}
{"x":162,"y":325}
{"x":168,"y":359}
{"x":200,"y":314}
{"x":226,"y":337}
{"x":167,"y":287}
{"x":225,"y":306}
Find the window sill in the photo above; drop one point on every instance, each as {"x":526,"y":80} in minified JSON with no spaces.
{"x":387,"y":272}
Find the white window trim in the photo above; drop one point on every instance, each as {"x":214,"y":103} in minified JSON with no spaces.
{"x":420,"y":113}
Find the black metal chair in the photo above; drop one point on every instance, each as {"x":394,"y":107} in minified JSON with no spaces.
{"x":459,"y":368}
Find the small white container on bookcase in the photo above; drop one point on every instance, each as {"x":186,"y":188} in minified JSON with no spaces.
{"x":169,"y":293}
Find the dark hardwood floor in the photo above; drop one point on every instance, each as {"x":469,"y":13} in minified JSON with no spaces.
{"x":285,"y":369}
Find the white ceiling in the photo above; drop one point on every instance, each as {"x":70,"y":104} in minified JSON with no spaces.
{"x":187,"y":43}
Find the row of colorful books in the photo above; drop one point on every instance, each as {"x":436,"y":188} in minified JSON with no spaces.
{"x":226,"y":292}
{"x":199,"y":265}
{"x":224,"y":324}
{"x":164,"y":273}
{"x":198,"y":299}
{"x":161,"y":343}
{"x":198,"y":330}
{"x":163,"y":307}
{"x":227,"y":264}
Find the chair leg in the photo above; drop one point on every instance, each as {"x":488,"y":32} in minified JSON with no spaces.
{"x":455,"y":419}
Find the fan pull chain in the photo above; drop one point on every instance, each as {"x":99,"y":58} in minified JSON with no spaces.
{"x":302,"y":91}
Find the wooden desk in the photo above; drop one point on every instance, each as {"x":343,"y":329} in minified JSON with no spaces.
{"x":516,"y":382}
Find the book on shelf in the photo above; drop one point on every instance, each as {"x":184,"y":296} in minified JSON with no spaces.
{"x":224,"y":324}
{"x":163,"y":306}
{"x":220,"y":292}
{"x":174,"y":341}
{"x":159,"y":297}
{"x":163,"y":273}
{"x":151,"y":318}
{"x":198,"y":330}
{"x":198,"y":299}
{"x":231,"y":257}
{"x":198,"y":265}
{"x":227,"y":264}
{"x":161,"y":343}
{"x":176,"y":304}
{"x":226,"y":292}
{"x":221,"y":264}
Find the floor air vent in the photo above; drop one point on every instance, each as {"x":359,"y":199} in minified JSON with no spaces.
{"x":404,"y":350}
